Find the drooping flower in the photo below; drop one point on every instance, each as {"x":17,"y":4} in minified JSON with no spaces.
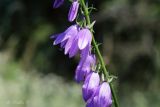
{"x":101,"y":97}
{"x":73,"y":40}
{"x":73,"y":11}
{"x":57,"y":3}
{"x":62,"y":37}
{"x":87,"y":61}
{"x":90,"y":85}
{"x":85,"y":38}
{"x":67,"y":40}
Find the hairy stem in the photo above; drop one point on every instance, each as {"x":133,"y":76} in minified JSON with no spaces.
{"x":86,"y":13}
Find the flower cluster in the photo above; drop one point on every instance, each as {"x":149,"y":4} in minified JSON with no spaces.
{"x":77,"y":40}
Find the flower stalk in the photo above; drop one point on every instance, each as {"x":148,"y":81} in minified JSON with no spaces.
{"x":106,"y":74}
{"x":97,"y":88}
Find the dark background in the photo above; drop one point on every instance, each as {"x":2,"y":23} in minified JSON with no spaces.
{"x":129,"y":31}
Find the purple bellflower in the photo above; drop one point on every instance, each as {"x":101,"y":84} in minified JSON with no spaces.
{"x":101,"y":97}
{"x":62,"y":38}
{"x":79,"y":42}
{"x":67,"y":39}
{"x":85,"y":38}
{"x":73,"y":40}
{"x":84,"y":67}
{"x":73,"y":11}
{"x":57,"y":3}
{"x":90,"y":85}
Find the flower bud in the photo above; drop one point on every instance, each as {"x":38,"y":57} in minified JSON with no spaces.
{"x":73,"y":11}
{"x":57,"y":3}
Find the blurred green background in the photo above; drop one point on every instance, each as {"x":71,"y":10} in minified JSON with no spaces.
{"x":33,"y":73}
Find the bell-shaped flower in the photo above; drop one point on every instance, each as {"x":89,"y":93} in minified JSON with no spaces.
{"x":85,"y":38}
{"x":90,"y":85}
{"x":57,"y":3}
{"x":101,"y":97}
{"x":73,"y":40}
{"x":87,"y":61}
{"x":67,"y":40}
{"x":73,"y":11}
{"x":62,"y":37}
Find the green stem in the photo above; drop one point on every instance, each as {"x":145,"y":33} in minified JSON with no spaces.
{"x":86,"y":13}
{"x":114,"y":95}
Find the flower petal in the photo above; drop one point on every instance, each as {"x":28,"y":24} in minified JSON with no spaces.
{"x":59,"y":38}
{"x":63,"y":44}
{"x":69,"y":44}
{"x":85,"y":52}
{"x":79,"y":76}
{"x":74,"y":49}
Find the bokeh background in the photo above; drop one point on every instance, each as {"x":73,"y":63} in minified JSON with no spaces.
{"x":33,"y":73}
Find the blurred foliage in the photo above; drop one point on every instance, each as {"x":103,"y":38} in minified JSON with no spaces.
{"x":20,"y":88}
{"x":128,"y":29}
